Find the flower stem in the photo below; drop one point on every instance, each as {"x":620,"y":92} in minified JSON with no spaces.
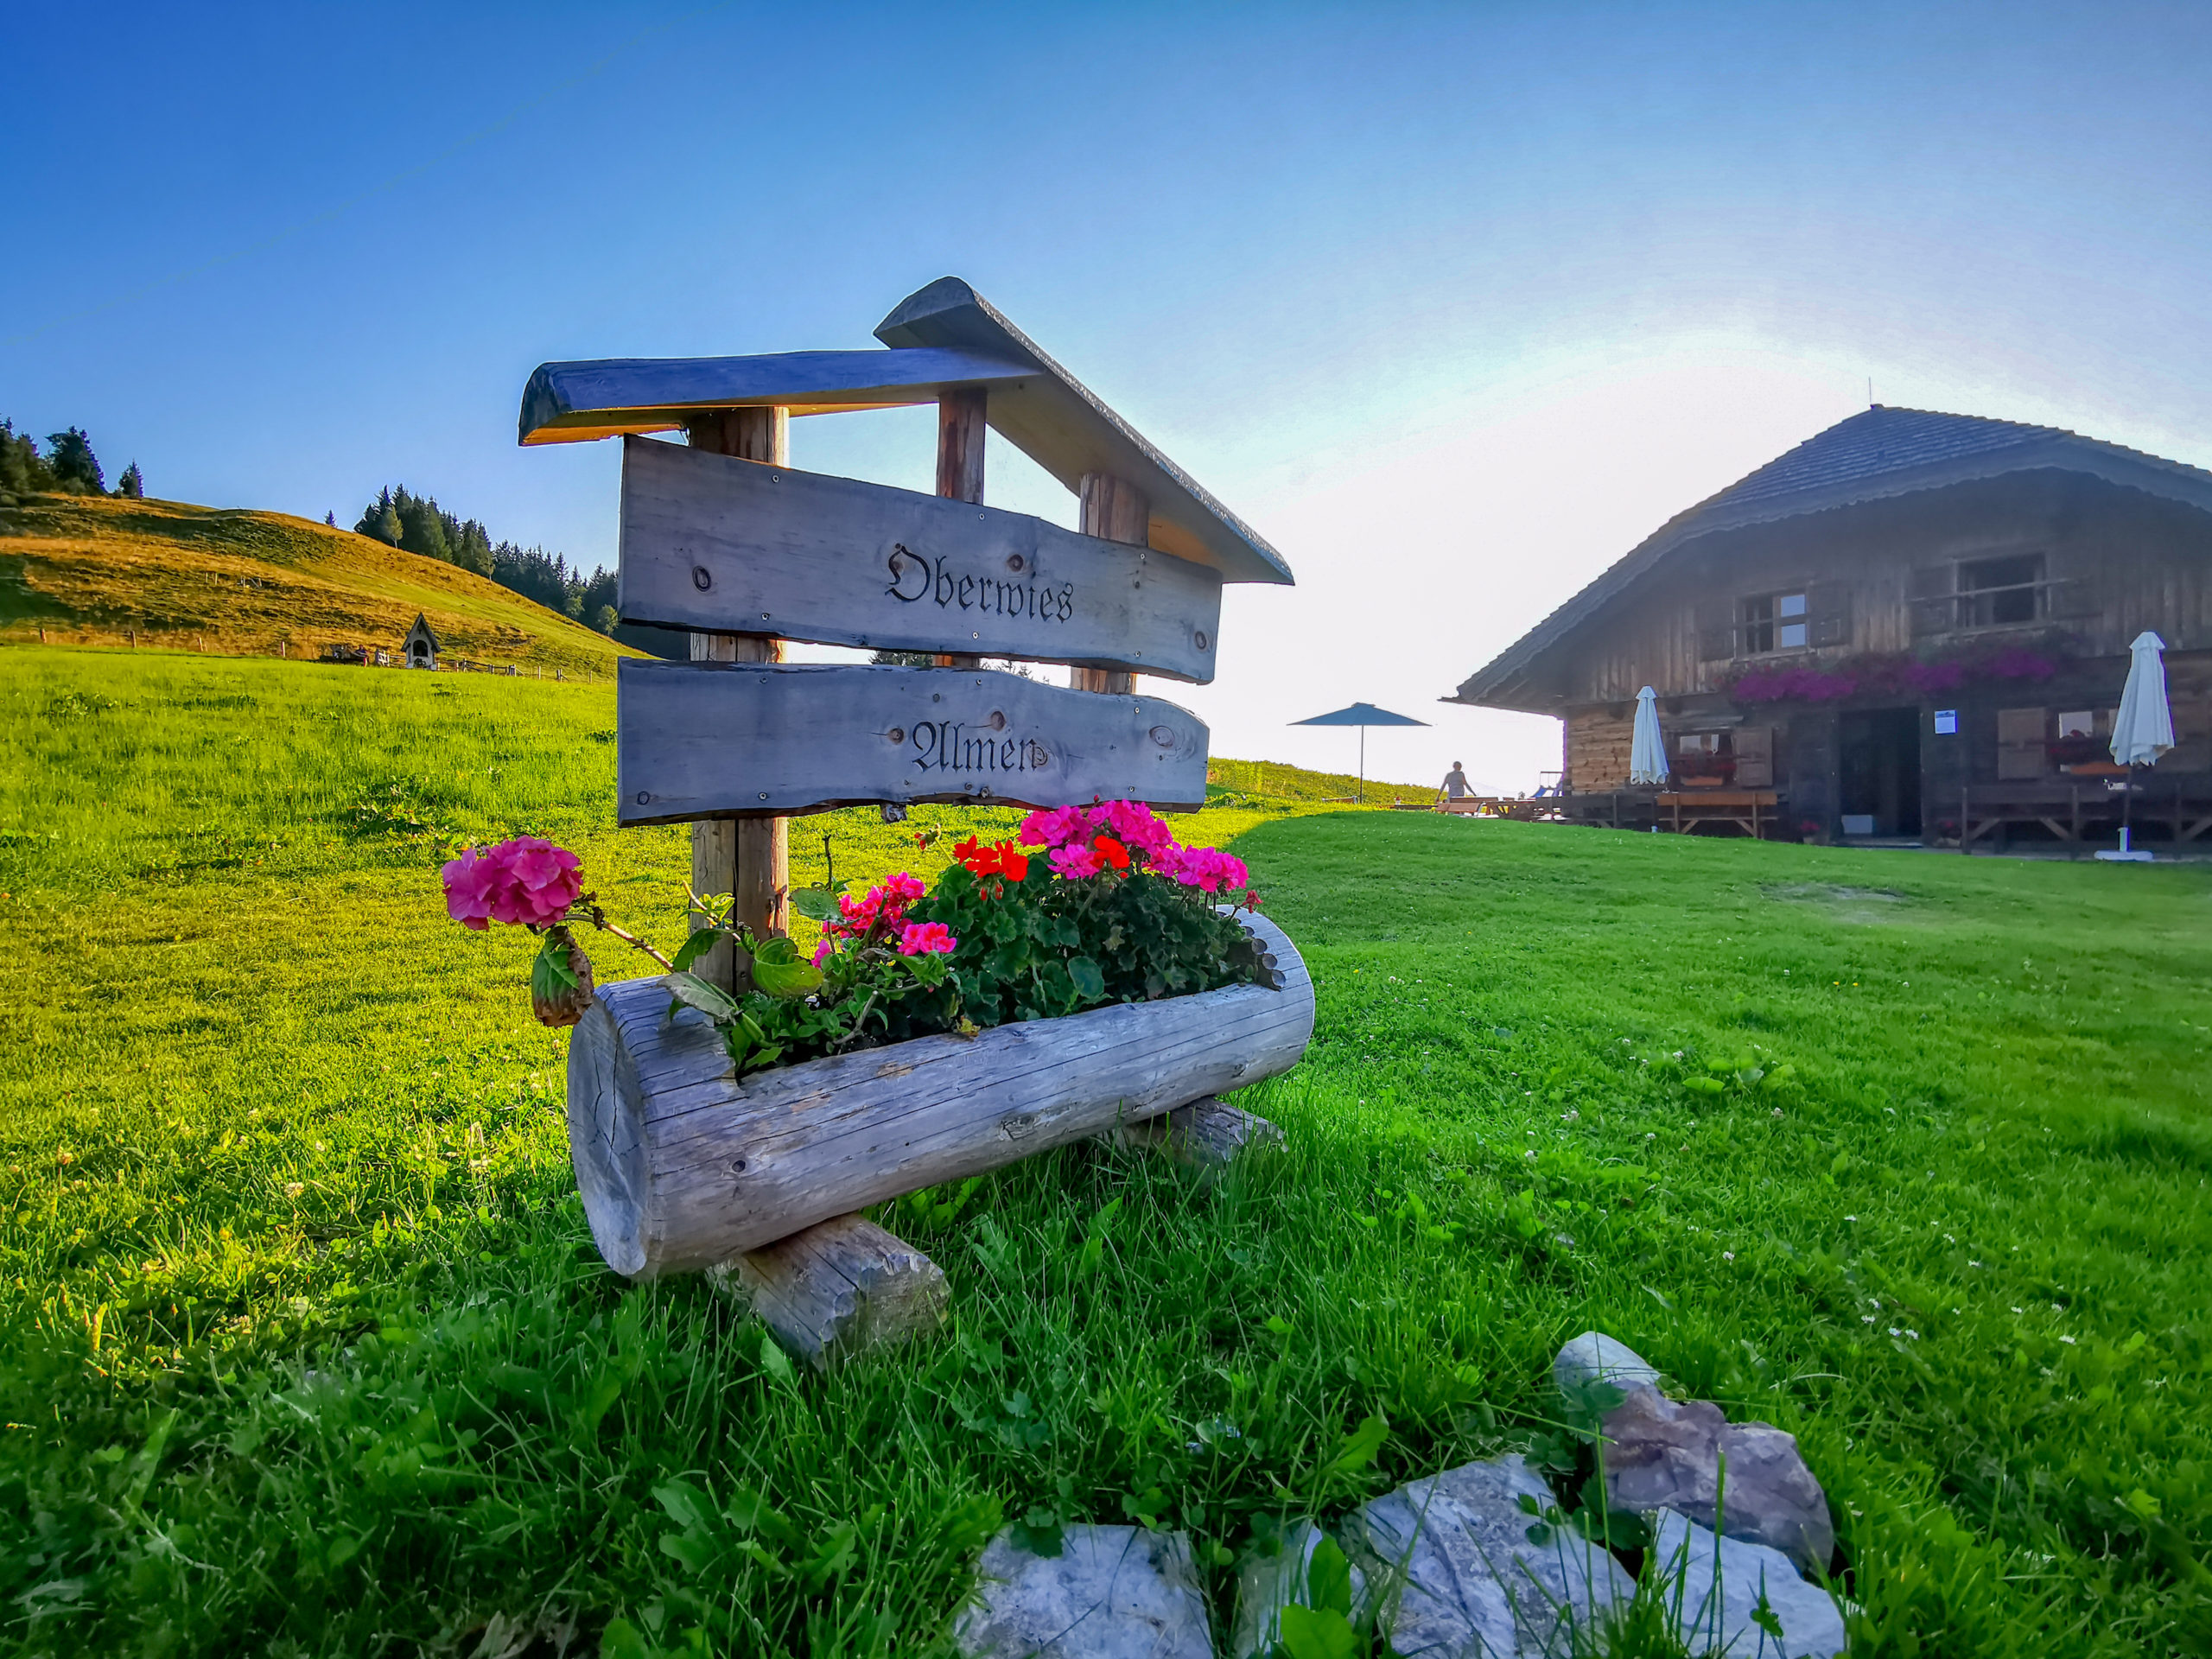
{"x":599,"y":920}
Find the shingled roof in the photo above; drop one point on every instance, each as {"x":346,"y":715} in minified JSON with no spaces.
{"x":1871,"y":457}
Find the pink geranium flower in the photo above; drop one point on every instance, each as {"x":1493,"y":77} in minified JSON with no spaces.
{"x":926,"y":939}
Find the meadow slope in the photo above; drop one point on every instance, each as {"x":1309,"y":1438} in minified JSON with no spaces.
{"x":92,"y":569}
{"x":308,"y":1350}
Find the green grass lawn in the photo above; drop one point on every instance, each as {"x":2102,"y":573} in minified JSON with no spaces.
{"x":308,"y":1350}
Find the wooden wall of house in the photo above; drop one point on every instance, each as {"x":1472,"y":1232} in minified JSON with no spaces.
{"x":2128,"y":562}
{"x":1597,"y":744}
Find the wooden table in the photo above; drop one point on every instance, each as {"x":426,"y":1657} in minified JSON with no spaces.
{"x":1749,"y":809}
{"x":2075,"y":809}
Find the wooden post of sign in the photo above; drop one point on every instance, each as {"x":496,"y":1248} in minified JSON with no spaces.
{"x":842,"y":1286}
{"x":1210,"y":1132}
{"x":960,"y":432}
{"x":1114,"y":510}
{"x":751,"y":859}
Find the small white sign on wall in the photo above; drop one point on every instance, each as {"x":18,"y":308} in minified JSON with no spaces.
{"x":1947,"y":723}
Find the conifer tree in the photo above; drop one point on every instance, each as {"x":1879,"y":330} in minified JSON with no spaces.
{"x":74,"y":466}
{"x":22,"y":469}
{"x":132,"y":484}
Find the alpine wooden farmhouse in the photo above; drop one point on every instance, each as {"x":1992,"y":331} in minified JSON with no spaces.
{"x":1909,"y":623}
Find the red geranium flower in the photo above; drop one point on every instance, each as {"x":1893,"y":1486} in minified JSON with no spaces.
{"x":1113,"y":852}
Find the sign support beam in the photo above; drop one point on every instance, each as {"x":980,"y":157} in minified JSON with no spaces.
{"x":748,"y":860}
{"x":960,"y":432}
{"x":1114,"y":510}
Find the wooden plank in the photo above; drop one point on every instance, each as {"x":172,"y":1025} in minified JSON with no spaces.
{"x":1066,"y":428}
{"x":568,"y":403}
{"x":682,"y":1166}
{"x":839,"y":1289}
{"x":708,"y":542}
{"x":716,"y":739}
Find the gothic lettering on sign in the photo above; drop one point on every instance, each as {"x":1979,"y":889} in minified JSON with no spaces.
{"x":916,"y":577}
{"x":953,"y":746}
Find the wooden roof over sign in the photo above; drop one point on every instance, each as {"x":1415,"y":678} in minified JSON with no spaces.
{"x":944,"y":336}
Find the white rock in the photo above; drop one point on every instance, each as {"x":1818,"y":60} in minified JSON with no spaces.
{"x":1268,"y":1584}
{"x":1456,"y":1576}
{"x":1593,"y":1354}
{"x":1113,"y":1592}
{"x":1717,"y":1617}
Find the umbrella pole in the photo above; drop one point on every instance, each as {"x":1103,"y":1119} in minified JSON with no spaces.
{"x":1361,"y":792}
{"x":2126,"y":804}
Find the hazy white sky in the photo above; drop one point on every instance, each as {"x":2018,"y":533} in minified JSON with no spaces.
{"x":1455,"y":305}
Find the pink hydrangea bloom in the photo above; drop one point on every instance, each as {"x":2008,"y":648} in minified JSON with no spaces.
{"x":926,"y":939}
{"x":526,"y":881}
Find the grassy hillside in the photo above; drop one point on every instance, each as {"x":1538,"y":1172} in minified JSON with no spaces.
{"x":304,"y":1348}
{"x":93,"y":570}
{"x":1272,"y":780}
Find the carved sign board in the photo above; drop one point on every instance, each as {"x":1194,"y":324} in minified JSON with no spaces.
{"x":754,"y":739}
{"x":729,"y":546}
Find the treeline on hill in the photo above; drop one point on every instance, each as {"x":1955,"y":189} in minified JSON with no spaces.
{"x":416,"y":524}
{"x":68,"y":465}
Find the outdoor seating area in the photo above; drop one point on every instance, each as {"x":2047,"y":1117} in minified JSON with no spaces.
{"x":2077,"y":810}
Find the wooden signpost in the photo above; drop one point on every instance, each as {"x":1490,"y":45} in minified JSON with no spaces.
{"x":724,"y":546}
{"x":746,"y":741}
{"x":683,"y":1168}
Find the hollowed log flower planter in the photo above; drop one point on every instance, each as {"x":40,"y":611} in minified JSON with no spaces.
{"x":683,"y":1165}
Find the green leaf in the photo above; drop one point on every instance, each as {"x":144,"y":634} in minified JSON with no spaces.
{"x":1090,"y":979}
{"x":622,"y":1640}
{"x":701,"y":941}
{"x":1703,"y":1085}
{"x":1358,"y":1449}
{"x":1763,"y":1616}
{"x":1313,"y":1633}
{"x":776,"y":1362}
{"x":695,"y":993}
{"x":816,"y":903}
{"x":1328,"y":1580}
{"x":553,"y":956}
{"x":779,"y":969}
{"x":1041,"y":1532}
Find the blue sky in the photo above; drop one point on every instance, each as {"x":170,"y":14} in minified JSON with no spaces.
{"x":1454,"y":304}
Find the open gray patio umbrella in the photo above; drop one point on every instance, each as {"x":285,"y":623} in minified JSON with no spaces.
{"x":2143,"y":729}
{"x":1362,"y":715}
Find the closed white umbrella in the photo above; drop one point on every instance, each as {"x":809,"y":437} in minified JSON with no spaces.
{"x":1647,"y":755}
{"x":2143,"y":729}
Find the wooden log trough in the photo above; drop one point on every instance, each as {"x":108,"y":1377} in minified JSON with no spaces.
{"x":683,"y":1166}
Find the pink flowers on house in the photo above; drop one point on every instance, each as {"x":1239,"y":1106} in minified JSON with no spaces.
{"x":1079,"y":850}
{"x":526,"y":881}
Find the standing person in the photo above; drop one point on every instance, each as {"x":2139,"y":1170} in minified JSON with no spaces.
{"x":1456,"y":786}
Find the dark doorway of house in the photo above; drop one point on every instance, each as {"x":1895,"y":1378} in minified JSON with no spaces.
{"x":1878,"y":753}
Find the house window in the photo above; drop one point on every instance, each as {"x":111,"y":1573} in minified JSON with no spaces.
{"x":1774,"y":622}
{"x":1994,"y":593}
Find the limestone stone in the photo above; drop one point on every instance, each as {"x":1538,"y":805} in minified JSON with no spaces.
{"x":1268,"y":1584}
{"x":1720,"y":1583}
{"x":1593,"y":1355}
{"x":1456,"y":1576}
{"x":1664,"y":1454}
{"x":1113,"y":1592}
